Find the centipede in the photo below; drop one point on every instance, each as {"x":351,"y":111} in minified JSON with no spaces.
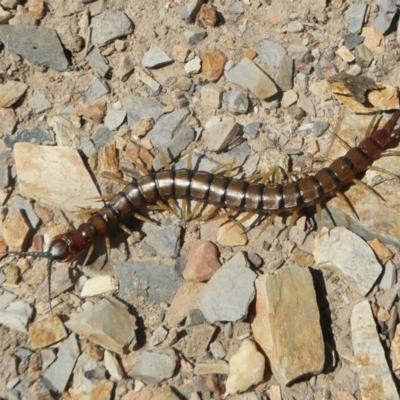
{"x":265,"y":199}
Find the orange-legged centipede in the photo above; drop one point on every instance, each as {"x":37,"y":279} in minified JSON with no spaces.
{"x":224,"y":192}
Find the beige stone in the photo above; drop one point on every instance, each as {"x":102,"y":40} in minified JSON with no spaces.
{"x":211,"y":95}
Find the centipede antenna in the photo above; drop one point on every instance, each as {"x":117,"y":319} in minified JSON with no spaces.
{"x":368,"y":188}
{"x":389,"y":153}
{"x":49,"y":265}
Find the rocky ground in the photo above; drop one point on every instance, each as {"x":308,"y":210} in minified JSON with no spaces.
{"x":185,"y":308}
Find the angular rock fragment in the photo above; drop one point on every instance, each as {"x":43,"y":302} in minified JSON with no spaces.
{"x":213,"y":64}
{"x":348,"y":255}
{"x":16,"y":315}
{"x":39,"y":45}
{"x":11,"y":92}
{"x":218,"y":136}
{"x":228,"y":293}
{"x":249,"y":76}
{"x":108,"y":324}
{"x":46,"y":332}
{"x":199,"y":339}
{"x":270,"y":53}
{"x":15,"y":231}
{"x":375,"y":377}
{"x":286,"y":323}
{"x":155,"y":57}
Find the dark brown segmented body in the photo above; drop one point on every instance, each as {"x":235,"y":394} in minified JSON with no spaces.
{"x":226,"y":192}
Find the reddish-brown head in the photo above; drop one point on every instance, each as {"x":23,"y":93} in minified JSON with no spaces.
{"x":68,"y":246}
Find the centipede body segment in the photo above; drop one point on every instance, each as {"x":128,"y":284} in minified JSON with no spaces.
{"x":224,"y":192}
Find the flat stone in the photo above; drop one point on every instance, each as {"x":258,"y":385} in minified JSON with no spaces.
{"x":45,"y":332}
{"x":202,"y":262}
{"x":211,"y":95}
{"x":163,"y":240}
{"x":39,"y":103}
{"x":193,"y":66}
{"x":298,"y":51}
{"x":320,"y":127}
{"x":389,"y":277}
{"x":114,"y":119}
{"x":155,"y":278}
{"x":213,"y":63}
{"x":345,"y":54}
{"x":351,"y":40}
{"x":33,"y":163}
{"x":183,"y":83}
{"x":289,"y":97}
{"x":180,"y":53}
{"x":236,"y":8}
{"x":16,"y":231}
{"x":96,"y":90}
{"x":184,"y":300}
{"x":246,"y":368}
{"x":295,"y":27}
{"x":155,"y":57}
{"x":16,"y":316}
{"x":98,"y":63}
{"x":286,"y":323}
{"x":182,"y":138}
{"x":20,"y":203}
{"x":158,"y":336}
{"x":249,"y":76}
{"x":58,"y":374}
{"x":375,"y":376}
{"x":8,"y":120}
{"x":355,"y":15}
{"x":363,"y":56}
{"x":39,"y":45}
{"x":348,"y":255}
{"x":395,"y":350}
{"x":113,"y":366}
{"x":165,"y":127}
{"x":270,"y":53}
{"x":235,"y":102}
{"x":384,"y":20}
{"x":220,"y":135}
{"x":194,"y":317}
{"x":148,"y":80}
{"x":93,"y":111}
{"x":206,"y":367}
{"x":11,"y":92}
{"x":98,"y":285}
{"x":199,"y":339}
{"x":230,"y":304}
{"x":284,"y":80}
{"x":154,"y":366}
{"x":107,"y":323}
{"x":140,"y":108}
{"x":108,"y":26}
{"x":325,"y":68}
{"x":374,"y":40}
{"x":189,"y":10}
{"x":194,"y":36}
{"x":102,"y":137}
{"x":252,"y":129}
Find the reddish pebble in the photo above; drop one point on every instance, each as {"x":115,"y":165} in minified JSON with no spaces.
{"x":213,"y":64}
{"x":202,"y":262}
{"x":94,"y":111}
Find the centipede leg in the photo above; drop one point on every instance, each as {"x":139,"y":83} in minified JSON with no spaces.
{"x":347,"y":204}
{"x":369,"y":189}
{"x":318,"y":208}
{"x":269,"y":222}
{"x":384,"y":171}
{"x":292,"y":221}
{"x":88,"y":254}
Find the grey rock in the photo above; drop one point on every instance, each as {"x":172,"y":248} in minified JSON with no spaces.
{"x":194,"y":317}
{"x":5,"y":168}
{"x":320,"y":127}
{"x":229,"y":292}
{"x":298,"y":52}
{"x":155,"y":278}
{"x":249,"y":76}
{"x":183,"y":136}
{"x":199,"y":162}
{"x":97,"y":89}
{"x":236,"y":8}
{"x":154,"y":366}
{"x":108,"y":324}
{"x":158,"y":336}
{"x":59,"y":372}
{"x":252,"y":129}
{"x":35,"y":135}
{"x":108,"y":26}
{"x":163,"y":240}
{"x":165,"y":127}
{"x":324,"y":68}
{"x":383,"y":21}
{"x":239,"y":153}
{"x":189,"y":10}
{"x":270,"y":53}
{"x":284,"y":80}
{"x":138,"y":108}
{"x":363,"y":56}
{"x":194,"y":35}
{"x":351,"y":40}
{"x":98,"y":63}
{"x":235,"y":102}
{"x":355,"y":15}
{"x":389,"y":277}
{"x":155,"y":57}
{"x":39,"y":103}
{"x":16,"y":315}
{"x":295,"y":27}
{"x":39,"y":45}
{"x":388,"y":6}
{"x":20,"y":203}
{"x":114,"y":119}
{"x":102,"y":137}
{"x":220,"y":135}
